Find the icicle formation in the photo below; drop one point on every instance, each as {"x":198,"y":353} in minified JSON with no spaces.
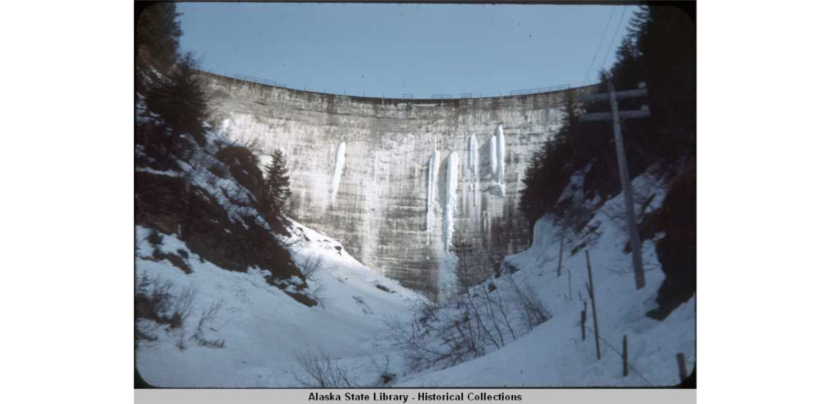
{"x":432,"y":180}
{"x":501,"y":152}
{"x":447,"y":277}
{"x":339,"y":160}
{"x":494,"y":165}
{"x":472,"y":155}
{"x":472,"y":164}
{"x":449,"y":201}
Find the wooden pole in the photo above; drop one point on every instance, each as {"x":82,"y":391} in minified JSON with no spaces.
{"x":570,"y":292}
{"x":584,"y":317}
{"x":561,"y":248}
{"x":625,"y":355}
{"x":615,"y":116}
{"x":681,"y":363}
{"x":622,"y":163}
{"x":593,"y":301}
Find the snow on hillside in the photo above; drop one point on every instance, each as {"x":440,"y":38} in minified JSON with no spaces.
{"x":554,"y":354}
{"x":262,"y":327}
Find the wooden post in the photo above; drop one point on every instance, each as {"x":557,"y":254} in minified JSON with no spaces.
{"x":570,"y":292}
{"x":561,"y":248}
{"x":584,"y":318}
{"x":625,"y":355}
{"x":681,"y":363}
{"x":593,"y":301}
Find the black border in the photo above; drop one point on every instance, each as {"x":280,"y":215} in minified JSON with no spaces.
{"x":689,"y":7}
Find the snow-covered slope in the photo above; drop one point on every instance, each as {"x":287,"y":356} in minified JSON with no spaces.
{"x":554,"y":354}
{"x":262,"y":327}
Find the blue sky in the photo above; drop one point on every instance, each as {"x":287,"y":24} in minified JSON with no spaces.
{"x":393,"y":49}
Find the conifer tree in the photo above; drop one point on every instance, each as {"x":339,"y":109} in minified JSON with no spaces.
{"x":277,"y":182}
{"x":181,"y":100}
{"x":157,"y":34}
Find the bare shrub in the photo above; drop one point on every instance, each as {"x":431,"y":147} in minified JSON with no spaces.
{"x":252,"y":143}
{"x":482,"y":316}
{"x":157,"y":302}
{"x":533,"y":311}
{"x":311,"y":265}
{"x":318,"y":293}
{"x":182,"y":307}
{"x":385,"y":376}
{"x":207,"y":317}
{"x":155,"y":238}
{"x":320,"y":370}
{"x":419,"y":350}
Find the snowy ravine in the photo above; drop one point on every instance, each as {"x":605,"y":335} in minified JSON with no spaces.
{"x":262,"y":326}
{"x":554,"y":354}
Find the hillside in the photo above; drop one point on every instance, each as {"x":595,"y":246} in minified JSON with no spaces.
{"x":262,"y":329}
{"x":554,"y":354}
{"x":265,"y":333}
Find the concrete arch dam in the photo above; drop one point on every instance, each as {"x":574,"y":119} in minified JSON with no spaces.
{"x":398,"y":181}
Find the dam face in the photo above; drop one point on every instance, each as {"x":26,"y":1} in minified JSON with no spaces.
{"x":363,"y":170}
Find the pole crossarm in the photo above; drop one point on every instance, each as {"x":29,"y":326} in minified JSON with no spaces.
{"x":608,"y":116}
{"x":620,"y":95}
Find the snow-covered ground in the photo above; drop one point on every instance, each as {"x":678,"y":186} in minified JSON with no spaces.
{"x":263,"y":328}
{"x":554,"y":354}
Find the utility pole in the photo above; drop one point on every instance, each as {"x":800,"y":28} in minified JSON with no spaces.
{"x":615,"y":116}
{"x":593,"y":301}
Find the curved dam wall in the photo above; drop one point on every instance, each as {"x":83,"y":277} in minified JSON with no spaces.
{"x":363,"y":170}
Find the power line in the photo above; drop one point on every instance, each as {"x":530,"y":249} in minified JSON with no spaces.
{"x":611,"y":45}
{"x":599,"y":45}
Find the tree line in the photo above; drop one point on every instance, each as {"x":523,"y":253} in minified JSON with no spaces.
{"x":171,"y":86}
{"x":658,"y":50}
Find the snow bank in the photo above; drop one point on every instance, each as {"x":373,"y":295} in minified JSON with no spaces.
{"x":554,"y":354}
{"x":262,"y":326}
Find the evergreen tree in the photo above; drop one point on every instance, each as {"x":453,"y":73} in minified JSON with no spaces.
{"x":277,"y":183}
{"x":665,"y":37}
{"x":157,"y":34}
{"x":658,"y":50}
{"x":544,"y":179}
{"x":181,"y":101}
